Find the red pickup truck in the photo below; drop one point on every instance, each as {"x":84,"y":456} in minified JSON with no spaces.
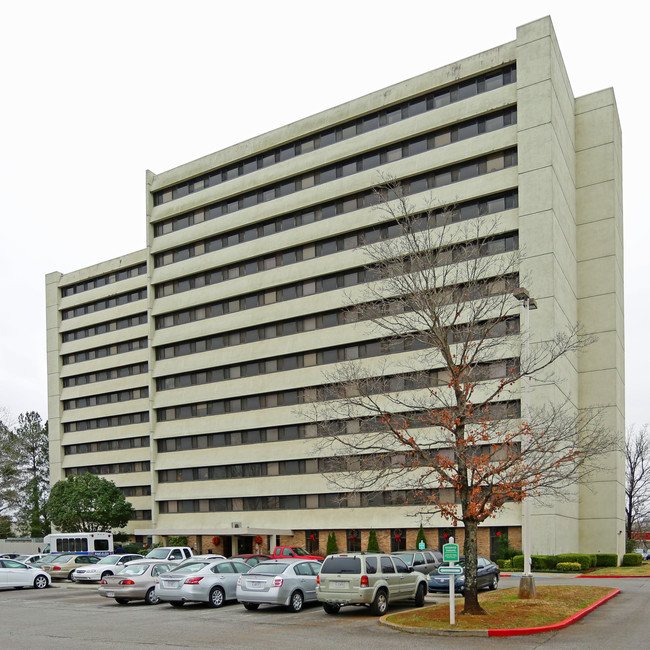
{"x":294,"y":551}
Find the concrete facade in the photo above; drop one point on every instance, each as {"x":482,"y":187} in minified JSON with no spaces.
{"x":175,"y":371}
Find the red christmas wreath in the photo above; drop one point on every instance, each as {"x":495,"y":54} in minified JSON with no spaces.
{"x":216,"y":540}
{"x":258,"y":539}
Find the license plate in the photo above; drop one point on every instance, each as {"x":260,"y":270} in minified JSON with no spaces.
{"x":255,"y":584}
{"x":110,"y":594}
{"x":339,"y":584}
{"x":171,"y":584}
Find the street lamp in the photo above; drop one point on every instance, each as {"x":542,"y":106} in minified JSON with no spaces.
{"x":527,"y":582}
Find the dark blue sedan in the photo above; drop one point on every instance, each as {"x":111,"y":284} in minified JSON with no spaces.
{"x":488,"y":577}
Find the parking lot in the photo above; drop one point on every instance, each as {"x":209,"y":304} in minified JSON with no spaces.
{"x":74,"y":616}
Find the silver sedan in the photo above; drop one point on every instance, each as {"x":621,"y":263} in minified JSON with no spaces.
{"x":107,"y":566}
{"x":136,"y":581}
{"x":289,"y":582}
{"x":206,"y":581}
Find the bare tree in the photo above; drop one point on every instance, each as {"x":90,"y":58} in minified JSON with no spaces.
{"x":637,"y":479}
{"x":441,"y":426}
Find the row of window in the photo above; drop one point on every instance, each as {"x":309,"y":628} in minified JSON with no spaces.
{"x":105,"y":375}
{"x":106,"y":445}
{"x":504,"y":410}
{"x":106,"y":398}
{"x":102,"y":423}
{"x":289,"y":327}
{"x":343,"y":279}
{"x":102,"y":280}
{"x":367,"y":349}
{"x":107,"y":303}
{"x":294,"y":502}
{"x":310,"y":466}
{"x":349,"y":241}
{"x":141,"y":515}
{"x":112,"y":468}
{"x":419,"y":183}
{"x":410,"y":108}
{"x":136,"y":491}
{"x":104,"y":328}
{"x":459,"y":212}
{"x":104,"y":351}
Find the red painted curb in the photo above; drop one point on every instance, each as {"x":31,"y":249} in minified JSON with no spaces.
{"x":557,"y":626}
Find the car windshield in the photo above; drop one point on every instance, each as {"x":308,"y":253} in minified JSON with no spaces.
{"x":134,"y":569}
{"x":21,"y":558}
{"x":110,"y":559}
{"x":65,"y":558}
{"x":299,"y":551}
{"x":341,"y":565}
{"x":271,"y":569}
{"x":49,"y":558}
{"x":158,"y":554}
{"x":190,"y":567}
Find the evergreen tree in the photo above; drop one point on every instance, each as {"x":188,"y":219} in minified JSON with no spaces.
{"x":332,"y":546}
{"x":373,"y":543}
{"x":421,"y":538}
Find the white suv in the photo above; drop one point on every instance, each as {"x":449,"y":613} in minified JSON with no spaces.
{"x":373,"y":579}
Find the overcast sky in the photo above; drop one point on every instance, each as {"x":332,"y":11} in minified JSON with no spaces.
{"x":93,"y":94}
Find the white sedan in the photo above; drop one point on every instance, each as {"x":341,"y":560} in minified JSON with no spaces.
{"x":16,"y":574}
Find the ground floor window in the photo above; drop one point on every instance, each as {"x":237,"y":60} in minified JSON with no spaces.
{"x":498,"y":541}
{"x":354,"y":540}
{"x":444,"y":535}
{"x":397,"y":539}
{"x":311,"y":541}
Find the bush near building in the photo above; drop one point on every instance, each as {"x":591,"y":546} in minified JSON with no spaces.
{"x":632,"y":559}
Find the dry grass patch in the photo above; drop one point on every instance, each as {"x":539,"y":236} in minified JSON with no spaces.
{"x":504,"y":610}
{"x":641,"y":570}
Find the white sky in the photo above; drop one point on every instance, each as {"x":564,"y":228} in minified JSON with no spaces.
{"x":93,"y":94}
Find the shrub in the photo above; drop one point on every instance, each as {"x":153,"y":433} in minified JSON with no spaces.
{"x":332,"y":546}
{"x":133,"y":548}
{"x":606,"y":559}
{"x":518,"y":562}
{"x":177,"y":540}
{"x":593,"y":560}
{"x":544,"y":562}
{"x":373,"y":543}
{"x":420,"y":538}
{"x":504,"y":550}
{"x":504,"y":564}
{"x":568,"y":566}
{"x":630,"y":544}
{"x":581,"y":558}
{"x":632,"y":559}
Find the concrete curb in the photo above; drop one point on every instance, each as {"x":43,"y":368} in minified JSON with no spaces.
{"x":502,"y":632}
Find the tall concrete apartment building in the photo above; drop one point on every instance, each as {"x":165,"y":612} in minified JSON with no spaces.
{"x":177,"y":371}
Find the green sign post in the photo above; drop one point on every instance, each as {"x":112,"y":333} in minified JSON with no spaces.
{"x":450,"y":553}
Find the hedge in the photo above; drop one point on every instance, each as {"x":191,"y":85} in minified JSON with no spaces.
{"x":607,"y":559}
{"x":568,"y":566}
{"x":632,"y":559}
{"x":582,"y":559}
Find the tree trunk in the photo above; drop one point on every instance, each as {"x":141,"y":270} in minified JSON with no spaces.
{"x":470,"y":550}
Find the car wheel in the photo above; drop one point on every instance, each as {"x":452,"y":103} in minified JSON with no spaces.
{"x":296,"y":601}
{"x":40,"y":582}
{"x":176,"y":603}
{"x":494,"y":583}
{"x":106,"y":573}
{"x":420,"y":594}
{"x":216,"y":597}
{"x":251,"y":606}
{"x":331,"y":609}
{"x":150,"y":598}
{"x":379,"y":604}
{"x":122,"y":601}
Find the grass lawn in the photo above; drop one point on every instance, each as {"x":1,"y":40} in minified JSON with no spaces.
{"x":641,"y":570}
{"x":553,"y":605}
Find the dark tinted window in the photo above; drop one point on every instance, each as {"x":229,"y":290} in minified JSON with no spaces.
{"x":387,"y":565}
{"x":400,"y":565}
{"x":342,"y":565}
{"x":371,"y":565}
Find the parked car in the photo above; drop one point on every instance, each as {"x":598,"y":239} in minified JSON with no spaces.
{"x":202,"y":581}
{"x":171,"y":553}
{"x":423,"y":561}
{"x":30,"y":559}
{"x":136,"y":581}
{"x":9,"y":556}
{"x":251,"y":558}
{"x":373,"y":579}
{"x":18,"y":574}
{"x":487,"y":577}
{"x":282,"y":552}
{"x":63,"y":566}
{"x":208,"y":556}
{"x":107,"y":566}
{"x":290,"y":582}
{"x":46,"y":559}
